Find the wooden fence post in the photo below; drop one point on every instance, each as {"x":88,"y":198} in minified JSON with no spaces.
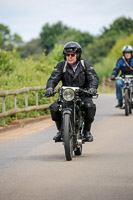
{"x":36,"y":96}
{"x":3,"y":109}
{"x":104,"y":84}
{"x":15,"y":104}
{"x":107,"y":84}
{"x":26,"y":102}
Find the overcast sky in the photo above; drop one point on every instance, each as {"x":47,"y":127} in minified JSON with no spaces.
{"x":27,"y":17}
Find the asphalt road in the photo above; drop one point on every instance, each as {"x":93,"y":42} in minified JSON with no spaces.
{"x":33,"y":167}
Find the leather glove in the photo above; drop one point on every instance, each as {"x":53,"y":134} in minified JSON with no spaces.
{"x":92,"y":91}
{"x":112,"y":77}
{"x":49,"y":92}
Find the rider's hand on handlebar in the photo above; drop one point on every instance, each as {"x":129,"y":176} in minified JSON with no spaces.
{"x":112,"y":77}
{"x":49,"y":92}
{"x":92,"y":91}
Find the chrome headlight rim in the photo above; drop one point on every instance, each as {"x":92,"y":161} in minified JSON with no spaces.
{"x":68,"y":94}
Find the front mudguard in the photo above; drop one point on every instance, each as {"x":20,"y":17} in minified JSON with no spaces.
{"x":64,"y":112}
{"x":67,"y":111}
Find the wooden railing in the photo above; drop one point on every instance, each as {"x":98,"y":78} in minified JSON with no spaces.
{"x":26,"y":90}
{"x":26,"y":109}
{"x":107,"y":84}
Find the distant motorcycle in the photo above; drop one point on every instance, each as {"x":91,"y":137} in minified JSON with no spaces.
{"x":127,"y":93}
{"x":73,"y":120}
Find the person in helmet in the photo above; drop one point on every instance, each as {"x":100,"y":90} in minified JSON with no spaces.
{"x":125,"y":66}
{"x":74,"y":75}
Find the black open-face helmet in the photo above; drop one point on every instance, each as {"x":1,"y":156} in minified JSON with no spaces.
{"x":72,"y":47}
{"x":127,"y":49}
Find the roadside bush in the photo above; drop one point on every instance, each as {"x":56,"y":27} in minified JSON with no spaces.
{"x":7,"y":62}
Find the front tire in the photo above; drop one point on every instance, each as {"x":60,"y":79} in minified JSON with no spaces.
{"x":68,"y":137}
{"x":130,"y":108}
{"x":127,"y":106}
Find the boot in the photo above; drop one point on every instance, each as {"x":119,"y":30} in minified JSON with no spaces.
{"x":87,"y":133}
{"x":57,"y":137}
{"x":123,"y":106}
{"x":119,"y":105}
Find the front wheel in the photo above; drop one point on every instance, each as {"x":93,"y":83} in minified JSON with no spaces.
{"x":130,"y":109}
{"x":127,"y":104}
{"x":68,"y":136}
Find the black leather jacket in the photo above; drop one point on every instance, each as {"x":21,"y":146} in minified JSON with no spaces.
{"x":83,"y":77}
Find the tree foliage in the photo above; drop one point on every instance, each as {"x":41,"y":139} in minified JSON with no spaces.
{"x":53,"y":37}
{"x":7,"y":64}
{"x":120,"y":27}
{"x":31,"y":48}
{"x":49,"y":35}
{"x":4,"y":35}
{"x":16,"y":40}
{"x":102,"y":45}
{"x":83,"y":38}
{"x":8,"y":41}
{"x":96,"y":51}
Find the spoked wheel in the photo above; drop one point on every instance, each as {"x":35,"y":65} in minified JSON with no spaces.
{"x":68,"y":137}
{"x":130,"y":108}
{"x":127,"y":103}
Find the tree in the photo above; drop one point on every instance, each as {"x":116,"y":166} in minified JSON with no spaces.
{"x":102,"y":45}
{"x":83,"y":38}
{"x":7,"y":64}
{"x":4,"y":35}
{"x":121,"y":26}
{"x":96,"y":51}
{"x":16,"y":40}
{"x":32,"y":48}
{"x":8,"y":41}
{"x":49,"y":35}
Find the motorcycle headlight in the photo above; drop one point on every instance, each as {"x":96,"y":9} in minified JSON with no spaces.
{"x":68,"y":94}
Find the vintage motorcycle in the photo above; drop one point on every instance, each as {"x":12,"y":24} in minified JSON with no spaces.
{"x":127,"y":93}
{"x":72,"y":116}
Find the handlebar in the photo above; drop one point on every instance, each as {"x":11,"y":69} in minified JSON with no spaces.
{"x":80,"y":89}
{"x":86,"y":92}
{"x":122,"y":77}
{"x":52,"y":94}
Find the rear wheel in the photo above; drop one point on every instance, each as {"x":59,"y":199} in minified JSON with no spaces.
{"x":68,"y":137}
{"x":127,"y":104}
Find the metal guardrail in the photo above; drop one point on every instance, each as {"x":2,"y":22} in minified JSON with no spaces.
{"x":27,"y":108}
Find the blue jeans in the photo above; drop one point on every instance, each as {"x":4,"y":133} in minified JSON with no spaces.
{"x":119,"y":85}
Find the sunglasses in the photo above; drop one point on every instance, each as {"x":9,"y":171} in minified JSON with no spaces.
{"x":71,"y":54}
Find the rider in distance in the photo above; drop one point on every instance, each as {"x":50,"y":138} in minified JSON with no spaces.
{"x":125,"y":65}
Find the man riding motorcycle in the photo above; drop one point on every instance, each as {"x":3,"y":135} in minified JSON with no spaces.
{"x":72,"y":73}
{"x":125,"y":65}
